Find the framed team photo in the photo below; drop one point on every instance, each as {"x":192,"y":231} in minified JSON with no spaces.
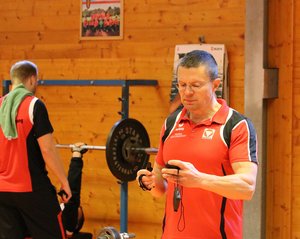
{"x":101,"y":19}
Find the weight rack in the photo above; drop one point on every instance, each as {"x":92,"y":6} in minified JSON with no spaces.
{"x":125,"y":84}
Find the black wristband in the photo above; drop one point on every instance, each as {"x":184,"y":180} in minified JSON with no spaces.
{"x":141,"y":184}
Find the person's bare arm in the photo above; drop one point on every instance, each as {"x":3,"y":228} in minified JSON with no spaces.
{"x":53,"y":162}
{"x":239,"y":186}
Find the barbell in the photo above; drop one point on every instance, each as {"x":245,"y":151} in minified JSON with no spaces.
{"x":98,"y":147}
{"x":127,"y":149}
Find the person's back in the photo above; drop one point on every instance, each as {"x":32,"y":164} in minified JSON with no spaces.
{"x":27,"y":146}
{"x":22,"y":170}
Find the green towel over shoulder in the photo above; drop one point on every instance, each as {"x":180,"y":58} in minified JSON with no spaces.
{"x":9,"y":109}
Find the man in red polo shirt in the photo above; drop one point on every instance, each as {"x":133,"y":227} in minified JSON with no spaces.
{"x":215,"y":150}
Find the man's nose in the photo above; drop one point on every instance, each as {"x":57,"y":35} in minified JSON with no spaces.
{"x":188,"y":89}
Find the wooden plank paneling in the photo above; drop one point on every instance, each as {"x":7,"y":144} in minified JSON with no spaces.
{"x":296,"y":127}
{"x":28,"y":8}
{"x":280,"y":113}
{"x":134,"y":35}
{"x":47,"y":32}
{"x":36,"y":24}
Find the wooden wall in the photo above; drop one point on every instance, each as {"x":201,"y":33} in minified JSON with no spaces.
{"x":283,"y":168}
{"x":295,"y":124}
{"x":47,"y":32}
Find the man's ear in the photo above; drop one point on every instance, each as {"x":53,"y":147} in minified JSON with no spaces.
{"x":32,"y":80}
{"x":216,"y":84}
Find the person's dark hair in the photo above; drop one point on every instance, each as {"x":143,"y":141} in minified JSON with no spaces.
{"x":22,"y":70}
{"x":198,"y":58}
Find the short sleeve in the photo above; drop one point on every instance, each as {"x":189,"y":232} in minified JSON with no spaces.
{"x":243,"y":144}
{"x":41,"y":122}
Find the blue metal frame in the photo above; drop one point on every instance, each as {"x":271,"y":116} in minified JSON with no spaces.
{"x":124,"y":113}
{"x":123,"y":83}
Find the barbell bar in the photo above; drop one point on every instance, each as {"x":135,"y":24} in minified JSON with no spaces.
{"x":127,"y":149}
{"x":91,"y":147}
{"x":150,"y":151}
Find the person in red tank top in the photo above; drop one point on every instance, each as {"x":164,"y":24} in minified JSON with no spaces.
{"x":27,"y":196}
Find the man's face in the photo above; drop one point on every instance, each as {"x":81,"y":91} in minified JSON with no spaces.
{"x":195,"y":88}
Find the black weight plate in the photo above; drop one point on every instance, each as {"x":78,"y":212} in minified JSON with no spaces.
{"x":109,"y":232}
{"x":121,"y":160}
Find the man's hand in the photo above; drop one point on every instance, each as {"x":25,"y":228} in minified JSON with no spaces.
{"x":65,"y":193}
{"x":145,"y":179}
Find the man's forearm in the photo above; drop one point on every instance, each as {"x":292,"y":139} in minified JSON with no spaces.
{"x":53,"y":162}
{"x":51,"y":157}
{"x":236,"y":186}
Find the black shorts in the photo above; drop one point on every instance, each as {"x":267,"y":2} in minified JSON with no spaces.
{"x":36,"y":213}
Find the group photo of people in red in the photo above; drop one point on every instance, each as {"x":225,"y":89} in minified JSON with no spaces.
{"x":99,"y":22}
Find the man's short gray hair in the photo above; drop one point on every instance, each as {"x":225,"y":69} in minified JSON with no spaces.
{"x":198,"y":58}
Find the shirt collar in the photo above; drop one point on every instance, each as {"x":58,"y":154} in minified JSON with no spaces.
{"x":219,"y":117}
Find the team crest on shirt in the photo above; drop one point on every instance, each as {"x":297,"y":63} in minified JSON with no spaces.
{"x":178,"y":132}
{"x":208,"y":134}
{"x":180,"y":127}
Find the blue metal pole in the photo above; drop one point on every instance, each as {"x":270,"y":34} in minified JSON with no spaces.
{"x":5,"y":86}
{"x":124,"y":185}
{"x":124,"y":207}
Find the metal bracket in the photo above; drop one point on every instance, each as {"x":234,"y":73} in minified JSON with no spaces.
{"x":202,"y":39}
{"x":270,"y":83}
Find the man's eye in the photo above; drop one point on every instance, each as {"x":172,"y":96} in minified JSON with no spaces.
{"x":196,"y":86}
